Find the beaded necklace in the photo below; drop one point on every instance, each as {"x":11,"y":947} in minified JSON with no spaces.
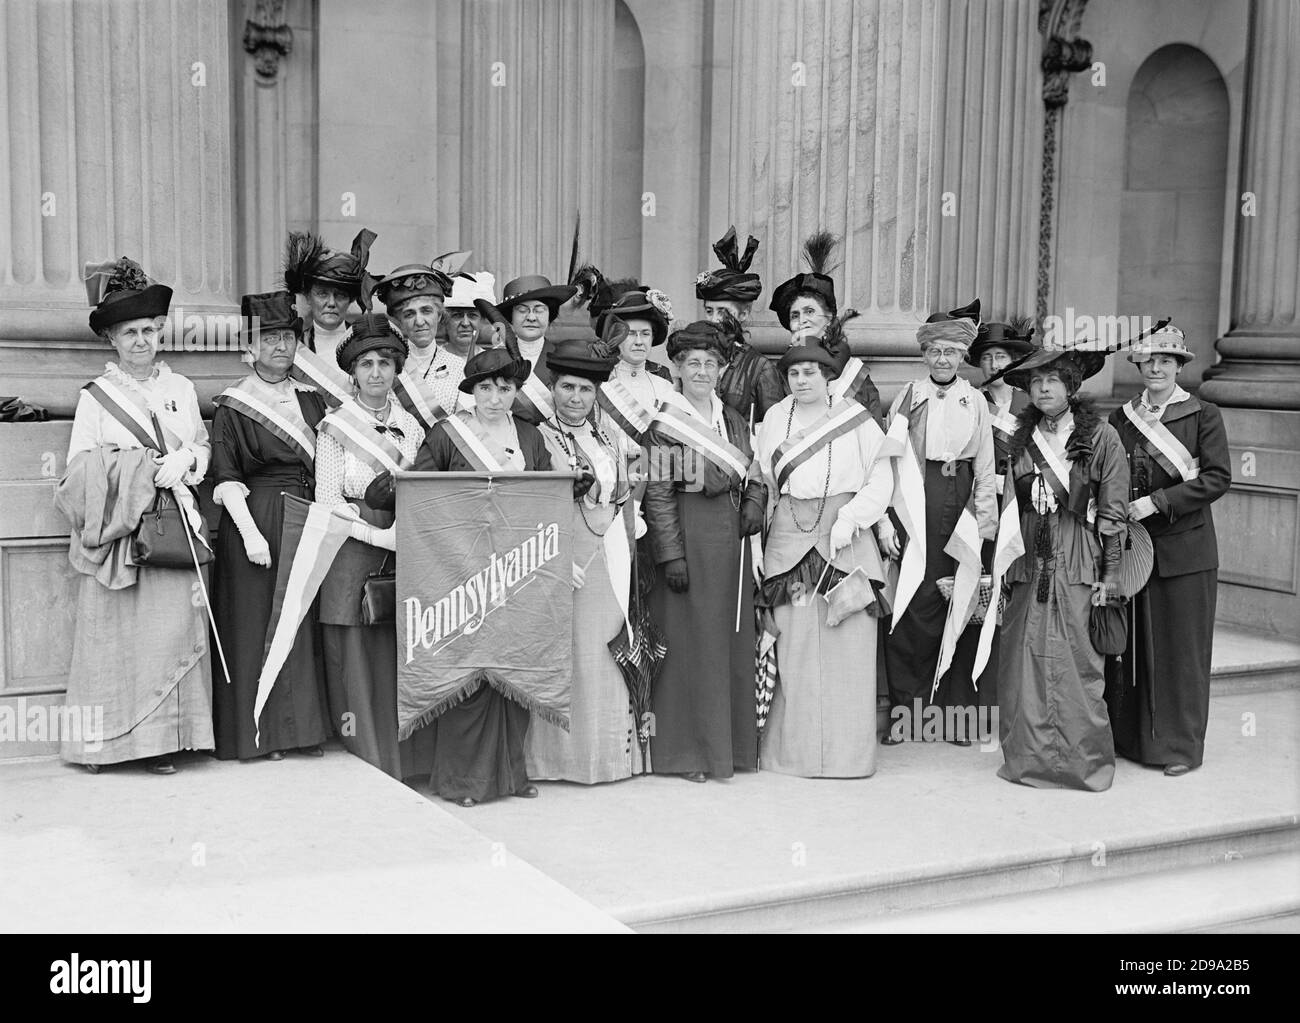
{"x":826,"y":487}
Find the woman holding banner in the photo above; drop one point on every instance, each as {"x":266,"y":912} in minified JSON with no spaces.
{"x":1179,"y":460}
{"x":479,"y":745}
{"x":140,"y":648}
{"x":827,"y":486}
{"x":263,"y":446}
{"x":1071,"y":484}
{"x":699,"y":516}
{"x":600,"y":744}
{"x":364,"y":436}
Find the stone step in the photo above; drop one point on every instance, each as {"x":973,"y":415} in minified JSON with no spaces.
{"x":1245,"y":893}
{"x":1251,"y":662}
{"x":1025,"y":892}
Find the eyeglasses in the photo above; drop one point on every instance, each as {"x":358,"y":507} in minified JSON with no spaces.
{"x":696,"y":365}
{"x":950,"y":354}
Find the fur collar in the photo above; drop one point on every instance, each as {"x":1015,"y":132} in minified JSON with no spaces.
{"x":1078,"y":448}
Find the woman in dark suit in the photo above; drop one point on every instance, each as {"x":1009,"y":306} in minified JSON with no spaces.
{"x":1178,"y":462}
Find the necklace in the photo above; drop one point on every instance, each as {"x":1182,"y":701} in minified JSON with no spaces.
{"x":826,"y":488}
{"x":571,"y":453}
{"x":265,"y":381}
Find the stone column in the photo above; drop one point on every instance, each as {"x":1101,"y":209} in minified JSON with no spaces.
{"x":1261,"y":351}
{"x":116,"y":132}
{"x":536,"y":88}
{"x":1257,"y":383}
{"x":989,"y":158}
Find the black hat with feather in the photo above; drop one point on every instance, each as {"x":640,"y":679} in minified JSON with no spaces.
{"x":119,"y":290}
{"x":307,"y":261}
{"x":731,"y":283}
{"x":817,"y":282}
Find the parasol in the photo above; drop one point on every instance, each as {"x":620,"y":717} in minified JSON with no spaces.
{"x":639,"y":656}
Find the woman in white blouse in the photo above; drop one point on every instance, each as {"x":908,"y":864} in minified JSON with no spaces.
{"x":826,"y":489}
{"x":361,"y":660}
{"x":140,"y":650}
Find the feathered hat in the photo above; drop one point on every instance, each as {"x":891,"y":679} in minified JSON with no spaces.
{"x":1015,"y":338}
{"x":415,"y":279}
{"x":119,"y":291}
{"x":307,"y":261}
{"x":731,"y":283}
{"x":830,"y":348}
{"x":816,"y":254}
{"x":651,"y":305}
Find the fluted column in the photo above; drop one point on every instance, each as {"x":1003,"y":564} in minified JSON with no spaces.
{"x":114,"y":140}
{"x":536,"y":103}
{"x":831,"y":119}
{"x":1261,"y":351}
{"x":988,"y":159}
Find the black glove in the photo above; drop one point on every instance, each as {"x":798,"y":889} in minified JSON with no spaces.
{"x":1112,"y":552}
{"x":584,"y":483}
{"x":751,"y":518}
{"x":382,"y":492}
{"x":679,"y":580}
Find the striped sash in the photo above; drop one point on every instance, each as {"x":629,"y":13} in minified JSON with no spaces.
{"x":534,"y":399}
{"x":421,"y":404}
{"x":246,"y":404}
{"x":854,"y":375}
{"x":1002,"y":423}
{"x":690,"y":431}
{"x":310,"y":368}
{"x":470,"y":446}
{"x":624,"y":410}
{"x":1053,"y":469}
{"x":126,"y":412}
{"x":1163,"y":446}
{"x":843,"y":418}
{"x":358,"y":435}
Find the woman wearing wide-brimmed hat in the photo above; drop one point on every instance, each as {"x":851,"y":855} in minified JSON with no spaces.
{"x":996,"y":347}
{"x":263,"y":446}
{"x":827,"y":487}
{"x":698,"y":516}
{"x":360,"y":659}
{"x":531,"y":304}
{"x":601,"y":743}
{"x":140,"y":646}
{"x":1178,"y":460}
{"x":1071,"y":482}
{"x":646,"y":316}
{"x":480,"y":728}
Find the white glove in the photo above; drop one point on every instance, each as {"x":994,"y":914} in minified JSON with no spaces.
{"x":579,"y":576}
{"x":172,"y":468}
{"x":841,"y":535}
{"x":639,"y":528}
{"x":1141,"y":508}
{"x":230,"y":495}
{"x":366,"y":533}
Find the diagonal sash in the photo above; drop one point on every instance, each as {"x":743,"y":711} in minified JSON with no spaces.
{"x":854,"y":375}
{"x":269,"y":419}
{"x":535,"y":398}
{"x":124,"y":410}
{"x":686,"y":429}
{"x":846,"y":416}
{"x":1163,"y":446}
{"x":358,"y":435}
{"x":908,"y":500}
{"x":623,"y":408}
{"x":312,"y":369}
{"x":416,"y":401}
{"x":471,"y":447}
{"x":1050,"y":466}
{"x":1003,"y":423}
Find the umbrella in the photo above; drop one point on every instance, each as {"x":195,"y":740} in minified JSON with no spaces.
{"x":639,"y":657}
{"x":766,"y":676}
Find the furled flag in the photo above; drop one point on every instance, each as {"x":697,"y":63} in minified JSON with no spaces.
{"x":909,"y":500}
{"x":1009,"y":546}
{"x":964,"y":548}
{"x":310,"y":538}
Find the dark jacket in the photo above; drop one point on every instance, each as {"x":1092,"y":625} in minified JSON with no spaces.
{"x":751,"y":382}
{"x":1182,"y":528}
{"x":663,"y":522}
{"x":439,"y":454}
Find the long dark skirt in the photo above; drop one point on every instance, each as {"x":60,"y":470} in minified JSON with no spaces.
{"x":703,"y":701}
{"x":912,"y":649}
{"x":1162,"y":719}
{"x":361,"y":676}
{"x":1053,"y":724}
{"x":242,"y":596}
{"x":479,"y":748}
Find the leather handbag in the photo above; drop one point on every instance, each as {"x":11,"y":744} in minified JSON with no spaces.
{"x":379,"y":596}
{"x":160,"y":540}
{"x":1108,"y":629}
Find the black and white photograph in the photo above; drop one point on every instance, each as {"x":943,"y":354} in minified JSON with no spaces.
{"x":652,"y":467}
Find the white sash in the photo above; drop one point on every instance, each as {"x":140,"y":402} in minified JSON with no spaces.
{"x":314,"y":370}
{"x":684,"y":427}
{"x":288,"y":431}
{"x":537,"y":393}
{"x":844,"y":417}
{"x":348,"y":427}
{"x":427,"y":413}
{"x":458,"y":430}
{"x":1178,"y":460}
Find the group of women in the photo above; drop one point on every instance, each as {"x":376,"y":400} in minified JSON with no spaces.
{"x":759,"y":541}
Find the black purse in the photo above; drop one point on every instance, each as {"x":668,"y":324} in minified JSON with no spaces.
{"x":1108,"y":629}
{"x":379,"y":596}
{"x":162,"y":538}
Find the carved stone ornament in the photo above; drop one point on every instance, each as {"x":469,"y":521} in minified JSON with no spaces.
{"x":268,"y":38}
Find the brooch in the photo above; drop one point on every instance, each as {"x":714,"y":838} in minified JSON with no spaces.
{"x":963,"y":401}
{"x":170,"y":405}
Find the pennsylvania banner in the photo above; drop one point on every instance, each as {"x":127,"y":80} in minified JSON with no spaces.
{"x":484,"y":591}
